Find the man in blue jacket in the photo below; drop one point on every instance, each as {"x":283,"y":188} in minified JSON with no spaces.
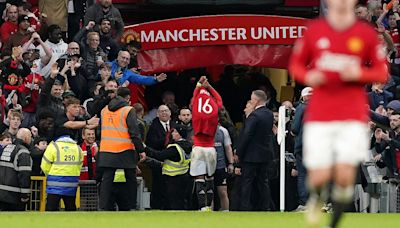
{"x":124,"y":76}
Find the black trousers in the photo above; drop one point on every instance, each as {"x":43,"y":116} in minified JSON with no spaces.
{"x":255,"y":181}
{"x":177,"y":191}
{"x":12,"y":207}
{"x":53,"y":202}
{"x":123,"y":194}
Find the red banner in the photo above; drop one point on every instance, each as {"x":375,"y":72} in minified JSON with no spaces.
{"x":216,"y":30}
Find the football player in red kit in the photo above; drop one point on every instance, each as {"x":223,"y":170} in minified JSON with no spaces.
{"x":205,"y":104}
{"x":337,"y":56}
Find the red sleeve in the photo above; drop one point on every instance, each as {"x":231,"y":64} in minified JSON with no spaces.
{"x":300,"y":59}
{"x":5,"y":33}
{"x":217,"y":97}
{"x":378,"y":70}
{"x":196,"y":92}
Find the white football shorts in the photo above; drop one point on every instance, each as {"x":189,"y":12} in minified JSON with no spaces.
{"x":203,"y":161}
{"x":338,"y":142}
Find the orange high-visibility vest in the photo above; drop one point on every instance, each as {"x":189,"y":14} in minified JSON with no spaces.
{"x":115,"y":137}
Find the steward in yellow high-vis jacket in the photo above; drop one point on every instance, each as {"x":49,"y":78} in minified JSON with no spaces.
{"x":62,"y":162}
{"x":118,"y":144}
{"x":175,"y":168}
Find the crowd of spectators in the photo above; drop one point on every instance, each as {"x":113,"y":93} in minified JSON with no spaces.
{"x":47,"y":60}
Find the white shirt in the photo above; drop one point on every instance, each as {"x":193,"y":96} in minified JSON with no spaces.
{"x":57,"y":50}
{"x":165,"y":125}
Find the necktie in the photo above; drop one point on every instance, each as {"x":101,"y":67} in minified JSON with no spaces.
{"x":166,"y":127}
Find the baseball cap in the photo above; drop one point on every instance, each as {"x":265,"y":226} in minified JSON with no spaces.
{"x":395,"y":105}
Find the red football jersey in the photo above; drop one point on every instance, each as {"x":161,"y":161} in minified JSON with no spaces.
{"x":329,"y":51}
{"x":205,"y":107}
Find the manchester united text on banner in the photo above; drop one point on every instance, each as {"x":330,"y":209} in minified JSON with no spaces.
{"x":216,"y":30}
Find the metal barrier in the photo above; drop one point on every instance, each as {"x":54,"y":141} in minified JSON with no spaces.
{"x":87,"y":195}
{"x":38,"y":194}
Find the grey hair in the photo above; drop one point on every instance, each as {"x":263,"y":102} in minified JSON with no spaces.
{"x":261,"y":95}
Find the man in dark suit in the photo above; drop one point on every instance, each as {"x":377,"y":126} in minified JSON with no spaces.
{"x":158,"y":138}
{"x":255,"y":151}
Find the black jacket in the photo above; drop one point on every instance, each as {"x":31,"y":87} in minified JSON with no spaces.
{"x":297,"y":128}
{"x":388,"y":151}
{"x":47,"y":101}
{"x":37,"y":155}
{"x":127,"y":158}
{"x":170,"y":153}
{"x":156,"y":135}
{"x":15,"y":172}
{"x":255,"y":144}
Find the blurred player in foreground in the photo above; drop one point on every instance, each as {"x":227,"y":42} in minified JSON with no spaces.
{"x":337,"y":56}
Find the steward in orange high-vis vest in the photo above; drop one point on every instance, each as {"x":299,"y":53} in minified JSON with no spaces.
{"x":118,"y":144}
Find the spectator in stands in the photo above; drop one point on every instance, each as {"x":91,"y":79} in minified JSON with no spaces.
{"x":106,"y":94}
{"x":20,"y":37}
{"x":50,"y":96}
{"x":124,"y":76}
{"x":90,"y":149}
{"x":379,"y":96}
{"x":56,"y":44}
{"x":94,"y":56}
{"x":17,"y":166}
{"x":38,"y":61}
{"x":25,"y":9}
{"x":5,"y":139}
{"x":15,"y":118}
{"x":105,"y":9}
{"x":40,"y":145}
{"x":69,"y":122}
{"x":108,"y":44}
{"x":363,"y":13}
{"x":133,"y":48}
{"x":393,"y":106}
{"x":45,"y":125}
{"x":11,"y":25}
{"x":388,"y":145}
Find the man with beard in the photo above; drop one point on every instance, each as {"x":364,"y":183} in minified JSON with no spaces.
{"x":102,"y":9}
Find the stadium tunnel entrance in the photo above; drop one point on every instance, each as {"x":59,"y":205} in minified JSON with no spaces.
{"x":209,"y":43}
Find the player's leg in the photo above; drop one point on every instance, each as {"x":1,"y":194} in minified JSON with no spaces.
{"x":342,"y":191}
{"x":351,"y":148}
{"x":318,"y":159}
{"x":211,"y":165}
{"x":198,"y":171}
